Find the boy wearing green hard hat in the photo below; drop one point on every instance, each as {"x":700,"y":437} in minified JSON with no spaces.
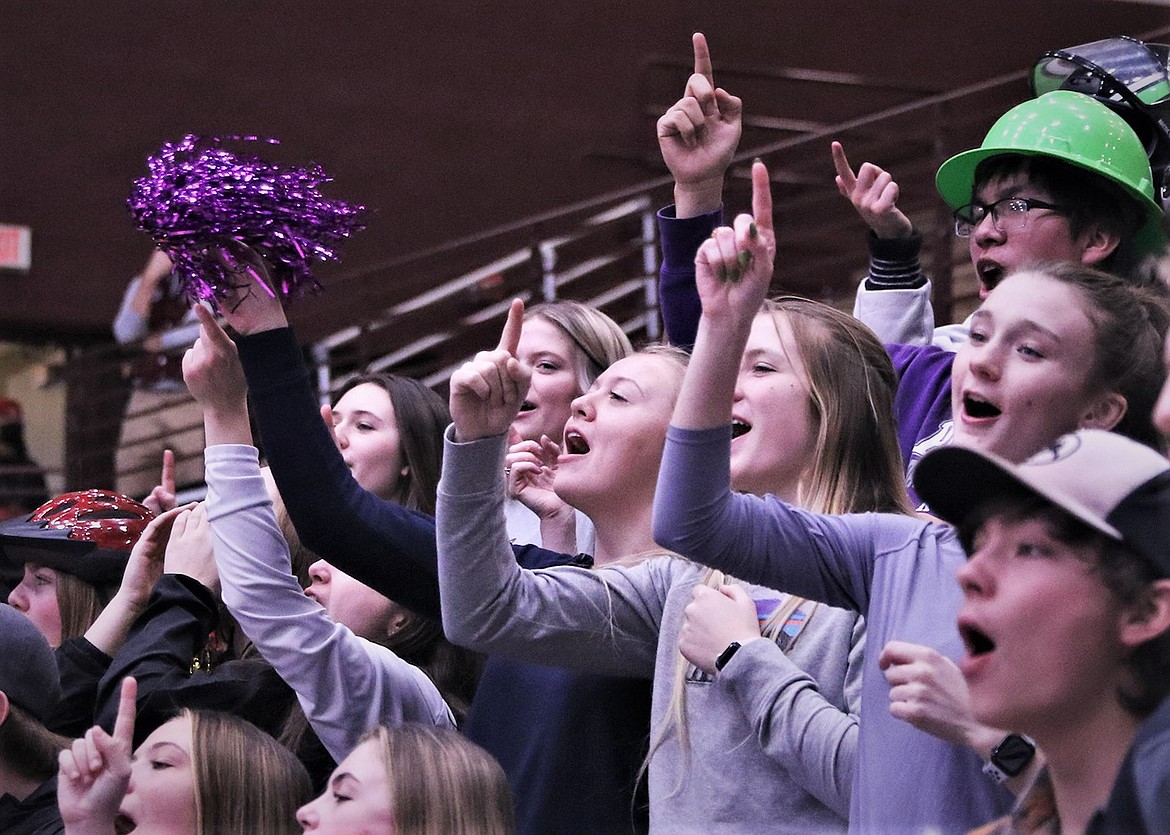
{"x":1062,"y":157}
{"x":1060,"y":177}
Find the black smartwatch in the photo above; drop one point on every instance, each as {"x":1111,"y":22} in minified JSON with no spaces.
{"x":726,"y":655}
{"x":1010,"y":757}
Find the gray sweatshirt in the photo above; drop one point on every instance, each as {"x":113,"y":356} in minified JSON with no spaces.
{"x":772,"y":737}
{"x":897,"y":570}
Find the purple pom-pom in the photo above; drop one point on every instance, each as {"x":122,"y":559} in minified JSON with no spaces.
{"x":200,"y":200}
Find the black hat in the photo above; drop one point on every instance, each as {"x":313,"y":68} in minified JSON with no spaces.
{"x":88,"y":534}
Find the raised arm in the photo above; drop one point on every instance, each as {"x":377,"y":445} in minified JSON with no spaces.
{"x":162,"y":497}
{"x":874,"y":195}
{"x":212,"y":372}
{"x":85,"y":661}
{"x":695,"y":511}
{"x":733,"y":271}
{"x":382,"y":544}
{"x":345,"y":684}
{"x":173,"y":630}
{"x":95,"y":772}
{"x":894,"y":298}
{"x":602,"y":621}
{"x":132,"y":322}
{"x":168,"y":653}
{"x":143,"y":570}
{"x":698,"y":137}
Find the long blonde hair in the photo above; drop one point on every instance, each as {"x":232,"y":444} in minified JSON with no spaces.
{"x":599,"y":340}
{"x":440,"y":782}
{"x":856,"y":465}
{"x":245,"y":781}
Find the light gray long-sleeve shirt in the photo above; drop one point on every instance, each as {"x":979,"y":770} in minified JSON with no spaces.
{"x":345,"y":683}
{"x":772,"y":736}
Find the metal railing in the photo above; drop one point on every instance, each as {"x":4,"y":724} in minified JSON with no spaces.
{"x":426,"y":310}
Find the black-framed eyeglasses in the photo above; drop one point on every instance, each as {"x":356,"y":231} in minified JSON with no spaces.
{"x":1008,"y":215}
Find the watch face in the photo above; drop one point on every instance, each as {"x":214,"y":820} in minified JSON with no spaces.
{"x":1013,"y":754}
{"x":725,"y":656}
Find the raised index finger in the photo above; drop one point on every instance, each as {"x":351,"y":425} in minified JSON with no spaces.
{"x":841,"y":163}
{"x":210,"y":328}
{"x":127,"y":704}
{"x":702,"y":57}
{"x":761,"y":196}
{"x":510,"y":338}
{"x":168,"y":472}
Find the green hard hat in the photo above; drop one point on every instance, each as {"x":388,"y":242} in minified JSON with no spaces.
{"x":1074,"y":128}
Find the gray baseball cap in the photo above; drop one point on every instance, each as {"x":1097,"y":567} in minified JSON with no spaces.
{"x":1111,"y":483}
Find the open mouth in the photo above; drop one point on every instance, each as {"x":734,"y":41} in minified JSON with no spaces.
{"x":739,"y":428}
{"x":123,"y":824}
{"x":990,"y":274}
{"x":977,"y":642}
{"x":575,"y":444}
{"x":978,"y":408}
{"x":526,"y":406}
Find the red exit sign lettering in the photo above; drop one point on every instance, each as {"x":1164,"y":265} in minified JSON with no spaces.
{"x":15,"y":247}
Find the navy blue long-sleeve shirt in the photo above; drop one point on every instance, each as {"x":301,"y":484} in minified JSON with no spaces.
{"x":570,"y":743}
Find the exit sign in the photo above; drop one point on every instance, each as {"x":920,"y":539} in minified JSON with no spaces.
{"x":15,"y":247}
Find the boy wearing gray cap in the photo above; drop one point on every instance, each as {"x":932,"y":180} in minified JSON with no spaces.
{"x":1066,"y":620}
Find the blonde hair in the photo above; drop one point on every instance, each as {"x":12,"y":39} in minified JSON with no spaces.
{"x":677,"y":356}
{"x":245,"y":781}
{"x":856,"y":465}
{"x":598,"y":340}
{"x":440,"y":782}
{"x":79,"y":604}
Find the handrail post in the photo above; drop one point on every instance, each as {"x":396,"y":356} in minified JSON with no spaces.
{"x":548,"y":269}
{"x":650,"y":270}
{"x":324,"y":379}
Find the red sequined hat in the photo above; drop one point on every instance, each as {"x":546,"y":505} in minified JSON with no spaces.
{"x":88,"y":534}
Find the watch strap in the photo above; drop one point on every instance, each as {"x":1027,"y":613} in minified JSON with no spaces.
{"x":993,"y":771}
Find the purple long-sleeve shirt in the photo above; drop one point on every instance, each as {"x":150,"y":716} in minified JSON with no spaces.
{"x":899,"y":571}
